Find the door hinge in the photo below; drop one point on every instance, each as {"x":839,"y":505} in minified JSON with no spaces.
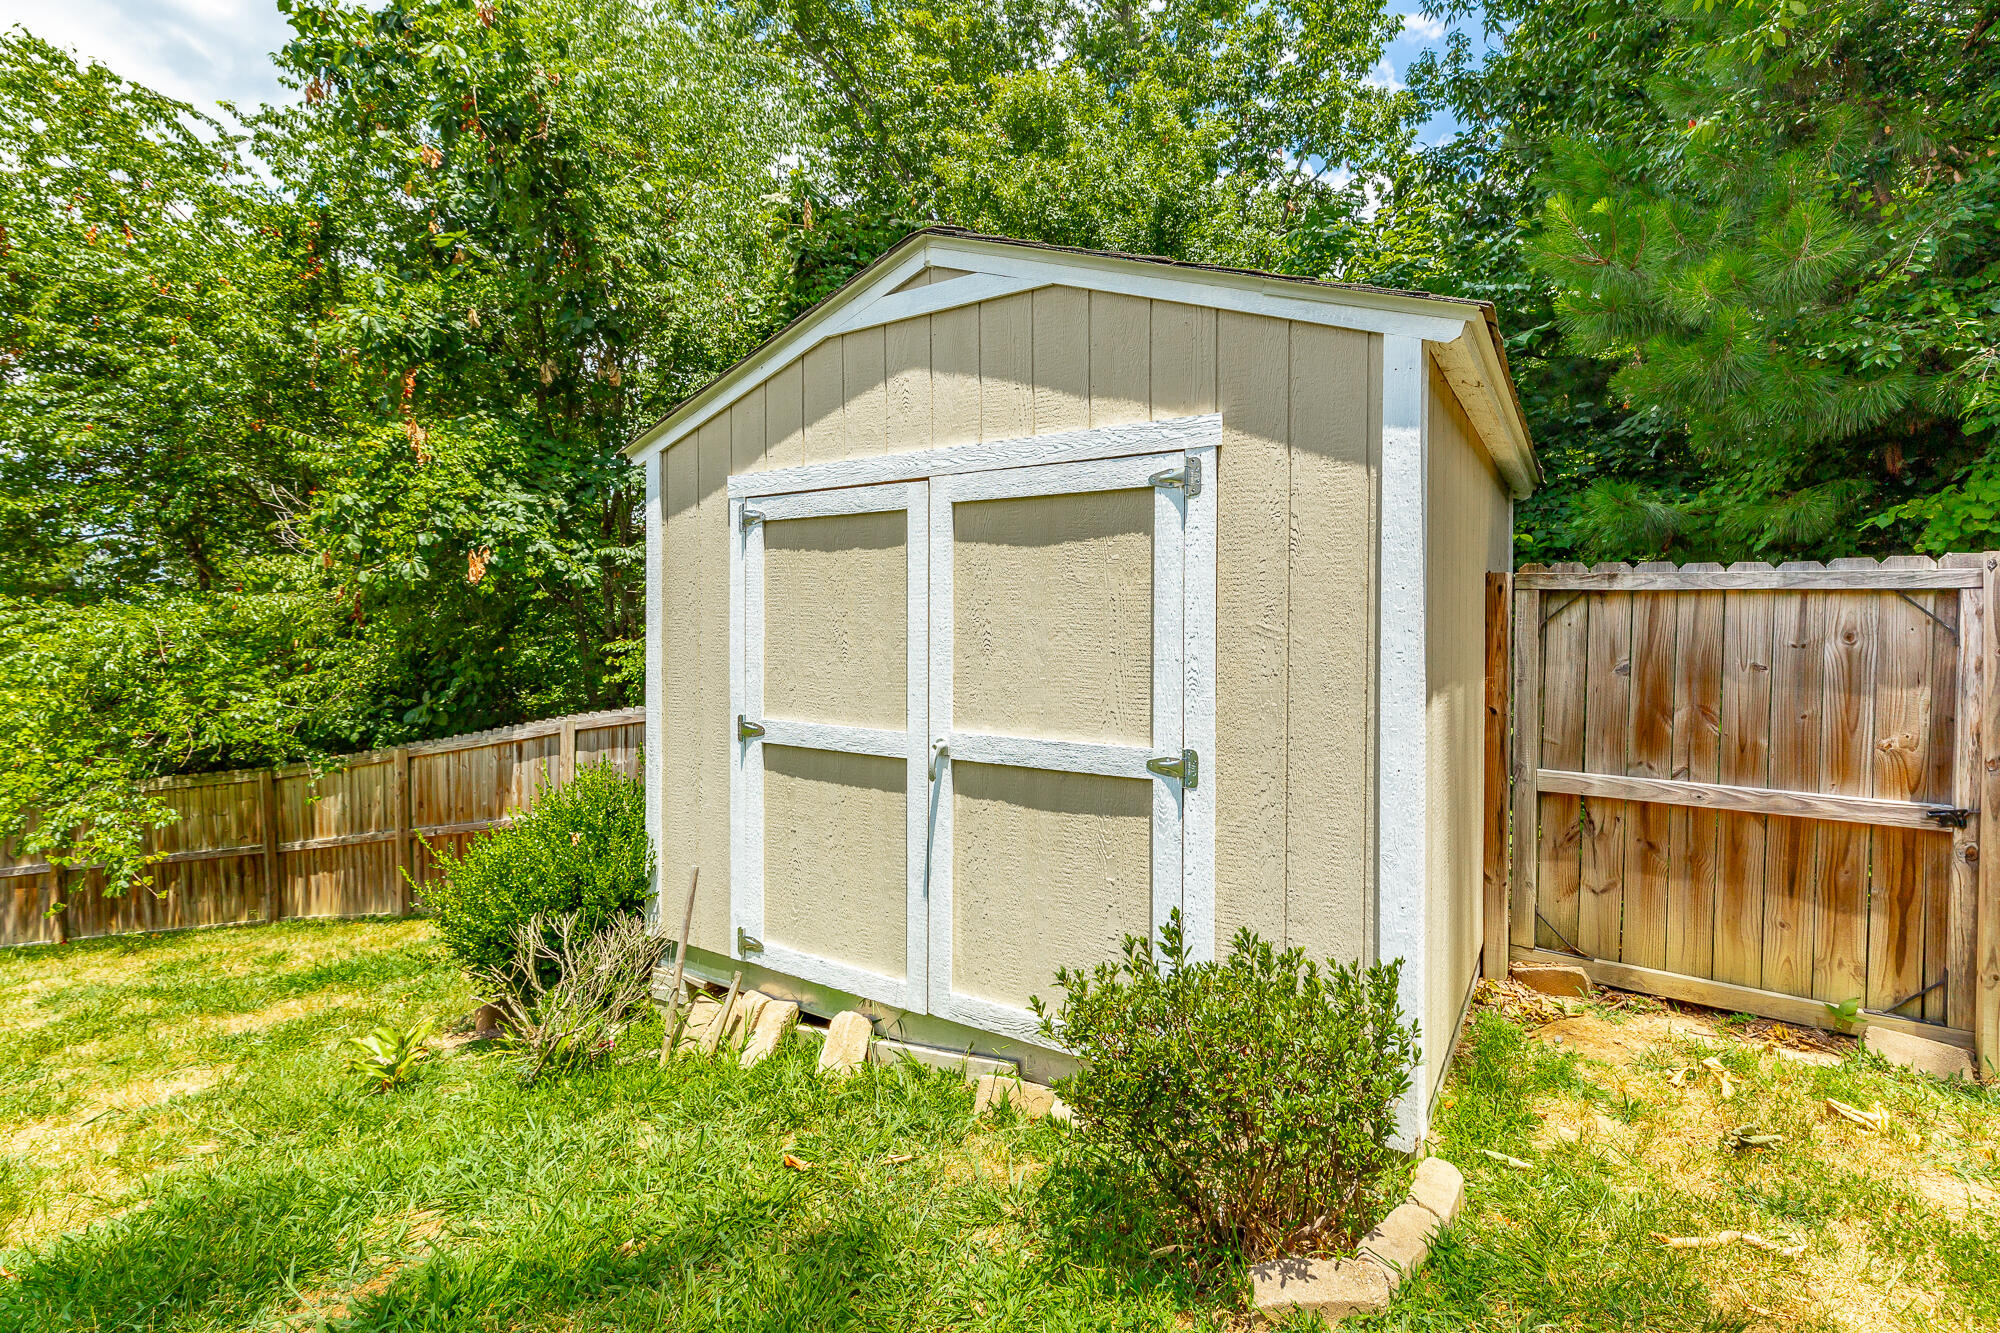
{"x":751,"y":516}
{"x":746,"y":730}
{"x":1948,"y":816}
{"x":746,"y":943}
{"x":1187,"y":768}
{"x":1188,"y":478}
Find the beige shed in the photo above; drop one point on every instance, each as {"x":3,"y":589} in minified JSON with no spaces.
{"x":1016,"y":595}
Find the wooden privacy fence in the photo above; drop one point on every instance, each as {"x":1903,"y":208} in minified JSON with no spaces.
{"x":1761,"y":788}
{"x":261,"y":844}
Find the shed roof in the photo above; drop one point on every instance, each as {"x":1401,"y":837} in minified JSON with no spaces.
{"x":1463,"y":334}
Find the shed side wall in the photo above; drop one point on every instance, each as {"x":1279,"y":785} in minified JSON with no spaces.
{"x":1469,"y":533}
{"x":1296,"y":527}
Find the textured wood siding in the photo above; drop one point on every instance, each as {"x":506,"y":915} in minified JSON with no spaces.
{"x":1295,"y":648}
{"x":1470,"y":532}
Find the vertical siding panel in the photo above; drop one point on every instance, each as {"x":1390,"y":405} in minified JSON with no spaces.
{"x":711,"y":749}
{"x":864,"y":377}
{"x":907,"y":388}
{"x":955,"y":376}
{"x":1332,"y":550}
{"x":1791,"y":860}
{"x":1006,"y":368}
{"x":1252,"y":589}
{"x":784,"y":416}
{"x":747,"y":434}
{"x":1120,"y":356}
{"x":1062,"y":359}
{"x":682,"y":651}
{"x":824,"y":387}
{"x":1183,"y":360}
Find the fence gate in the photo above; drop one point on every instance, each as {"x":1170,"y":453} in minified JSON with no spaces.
{"x":1759,"y":788}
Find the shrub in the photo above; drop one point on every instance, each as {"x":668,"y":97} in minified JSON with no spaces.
{"x":1252,"y":1098}
{"x":568,"y":994}
{"x":582,"y":850}
{"x":387,"y":1056}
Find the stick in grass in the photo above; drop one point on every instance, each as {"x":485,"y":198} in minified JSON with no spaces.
{"x":680,"y":967}
{"x":713,"y":1037}
{"x":1749,"y":1238}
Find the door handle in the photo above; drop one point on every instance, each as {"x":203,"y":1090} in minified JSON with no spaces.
{"x":939,"y":750}
{"x":746,"y":730}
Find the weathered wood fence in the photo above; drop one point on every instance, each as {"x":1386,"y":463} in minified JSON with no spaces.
{"x":261,"y":844}
{"x":1760,"y":788}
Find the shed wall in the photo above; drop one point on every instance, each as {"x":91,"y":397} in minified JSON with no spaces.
{"x":1297,"y":539}
{"x":1470,"y":531}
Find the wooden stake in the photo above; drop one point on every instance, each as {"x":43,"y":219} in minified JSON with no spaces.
{"x":712,"y":1038}
{"x":680,"y":967}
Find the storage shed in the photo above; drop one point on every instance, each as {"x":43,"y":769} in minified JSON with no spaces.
{"x":1016,"y":595}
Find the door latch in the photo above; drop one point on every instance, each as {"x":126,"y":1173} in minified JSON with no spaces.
{"x":1188,"y":479}
{"x":746,"y":730}
{"x":751,"y":517}
{"x":746,"y":943}
{"x":1187,"y":768}
{"x":1948,"y":816}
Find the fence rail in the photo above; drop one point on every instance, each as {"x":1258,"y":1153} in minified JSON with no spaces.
{"x":262,"y":844}
{"x":1762,"y":787}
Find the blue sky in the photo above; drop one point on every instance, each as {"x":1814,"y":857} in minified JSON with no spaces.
{"x":209,"y":51}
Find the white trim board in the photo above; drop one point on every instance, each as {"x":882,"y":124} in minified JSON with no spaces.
{"x":1080,"y":446}
{"x":1402,"y":854}
{"x":995,"y":267}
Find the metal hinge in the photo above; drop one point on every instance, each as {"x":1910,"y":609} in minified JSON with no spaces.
{"x":1187,"y":768}
{"x":746,"y":943}
{"x":1948,"y":816}
{"x":746,"y":730}
{"x":1188,"y":478}
{"x":751,"y":516}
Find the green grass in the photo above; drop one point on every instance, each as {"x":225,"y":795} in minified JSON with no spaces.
{"x":184,"y":1150}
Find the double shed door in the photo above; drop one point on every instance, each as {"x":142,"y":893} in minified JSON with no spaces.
{"x":963,"y":752}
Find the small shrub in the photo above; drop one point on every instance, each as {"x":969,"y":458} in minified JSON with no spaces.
{"x":582,"y":850}
{"x":567,"y":994}
{"x":387,"y":1056}
{"x":1252,"y":1098}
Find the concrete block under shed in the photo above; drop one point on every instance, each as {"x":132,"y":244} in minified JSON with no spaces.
{"x":1936,"y":1058}
{"x":1551,"y":978}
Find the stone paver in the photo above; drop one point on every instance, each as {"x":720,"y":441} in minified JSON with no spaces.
{"x":1330,"y":1288}
{"x":1935,"y":1058}
{"x":1438,"y":1186}
{"x":847,"y":1040}
{"x":1551,"y":978}
{"x":1402,"y":1239}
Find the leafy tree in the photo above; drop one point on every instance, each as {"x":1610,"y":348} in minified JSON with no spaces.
{"x":541,"y":224}
{"x":1795,"y":261}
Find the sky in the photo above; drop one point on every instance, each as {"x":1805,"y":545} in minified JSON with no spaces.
{"x":209,"y":51}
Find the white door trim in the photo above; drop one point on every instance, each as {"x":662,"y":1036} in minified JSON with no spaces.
{"x":746,"y":645}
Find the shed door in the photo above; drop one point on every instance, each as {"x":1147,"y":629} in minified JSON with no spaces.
{"x":1056,"y":706}
{"x":830,"y":624}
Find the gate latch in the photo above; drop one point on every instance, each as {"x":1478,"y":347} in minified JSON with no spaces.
{"x":746,"y":943}
{"x":746,"y":730}
{"x":1947,"y":816}
{"x":1188,"y":478}
{"x":1187,"y":768}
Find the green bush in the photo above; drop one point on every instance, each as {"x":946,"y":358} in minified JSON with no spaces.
{"x":1250,"y":1098}
{"x":582,"y":850}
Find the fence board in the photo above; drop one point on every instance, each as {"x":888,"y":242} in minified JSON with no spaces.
{"x":288,"y":842}
{"x":1768,"y":764}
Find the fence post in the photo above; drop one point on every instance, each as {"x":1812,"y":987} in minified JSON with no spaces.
{"x":1499,"y":592}
{"x":399,"y":815}
{"x":566,"y":752}
{"x":267,"y":799}
{"x":1986,"y":936}
{"x":59,"y":904}
{"x":1526,"y":641}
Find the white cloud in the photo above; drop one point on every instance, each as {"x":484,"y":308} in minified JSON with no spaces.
{"x":200,"y":51}
{"x":1384,"y":76}
{"x":1423,"y":27}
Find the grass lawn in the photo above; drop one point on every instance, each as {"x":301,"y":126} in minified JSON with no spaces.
{"x":182,"y":1149}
